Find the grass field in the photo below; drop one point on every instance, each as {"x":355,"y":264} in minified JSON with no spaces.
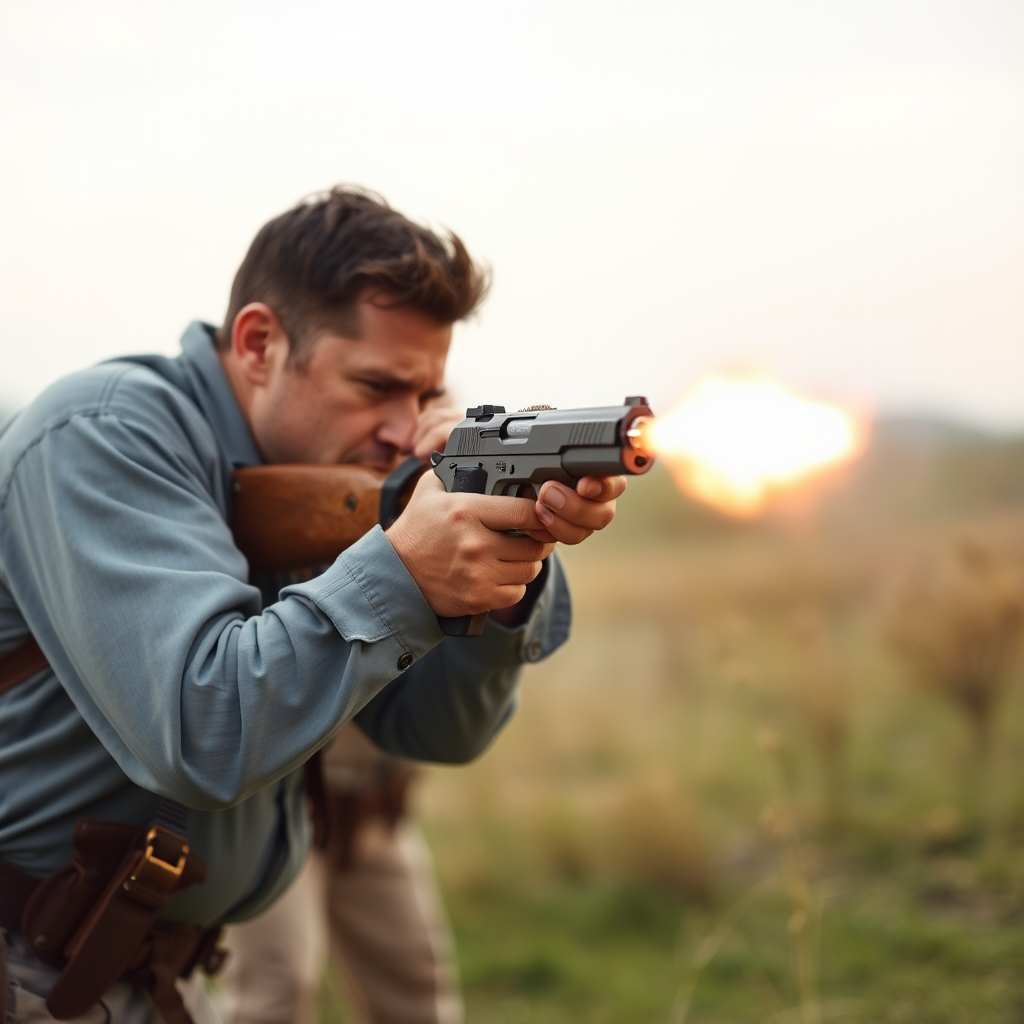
{"x":727,"y":800}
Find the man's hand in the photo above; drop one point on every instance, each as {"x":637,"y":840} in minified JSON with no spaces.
{"x":455,"y":549}
{"x":579,"y":513}
{"x":432,"y":430}
{"x":566,"y":515}
{"x":572,"y":516}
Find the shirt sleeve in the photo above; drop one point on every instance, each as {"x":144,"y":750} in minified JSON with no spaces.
{"x":450,"y":705}
{"x":126,"y":572}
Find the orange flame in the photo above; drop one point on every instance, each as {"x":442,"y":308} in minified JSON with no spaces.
{"x":734,"y":442}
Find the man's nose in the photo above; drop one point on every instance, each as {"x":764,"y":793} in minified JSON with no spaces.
{"x":399,"y":426}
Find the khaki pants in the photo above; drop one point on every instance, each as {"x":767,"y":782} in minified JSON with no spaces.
{"x":386,"y":929}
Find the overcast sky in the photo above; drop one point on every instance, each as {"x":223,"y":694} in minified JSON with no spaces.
{"x":829,"y":191}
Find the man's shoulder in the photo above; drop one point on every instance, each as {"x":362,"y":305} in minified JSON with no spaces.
{"x":124,"y":392}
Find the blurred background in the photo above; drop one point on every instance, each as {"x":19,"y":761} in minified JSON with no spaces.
{"x":777,"y":774}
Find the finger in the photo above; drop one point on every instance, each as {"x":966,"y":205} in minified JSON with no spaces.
{"x":601,"y":488}
{"x":518,"y":549}
{"x":505,"y":597}
{"x":438,"y":414}
{"x":429,"y":441}
{"x":430,"y":419}
{"x":561,"y":529}
{"x":570,"y":506}
{"x":543,"y":536}
{"x":425,"y":427}
{"x":428,"y":483}
{"x":432,"y":431}
{"x":500,"y":513}
{"x":517,"y":573}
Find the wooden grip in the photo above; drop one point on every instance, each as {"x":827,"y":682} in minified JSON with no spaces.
{"x":290,"y":517}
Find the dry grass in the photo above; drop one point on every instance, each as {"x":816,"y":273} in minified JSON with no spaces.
{"x":571,"y":790}
{"x":611,"y":766}
{"x":633,"y":759}
{"x":957,"y":617}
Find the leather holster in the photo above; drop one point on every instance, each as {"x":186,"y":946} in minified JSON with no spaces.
{"x":96,"y":918}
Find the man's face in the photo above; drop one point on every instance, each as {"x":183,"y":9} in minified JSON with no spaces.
{"x":354,"y":400}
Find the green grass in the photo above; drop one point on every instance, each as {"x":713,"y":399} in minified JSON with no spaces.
{"x":631,"y":802}
{"x":895,"y":945}
{"x":601,"y":954}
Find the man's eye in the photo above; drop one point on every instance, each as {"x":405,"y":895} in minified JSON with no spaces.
{"x":375,"y":387}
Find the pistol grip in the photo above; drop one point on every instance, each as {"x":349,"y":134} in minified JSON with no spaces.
{"x":469,"y":480}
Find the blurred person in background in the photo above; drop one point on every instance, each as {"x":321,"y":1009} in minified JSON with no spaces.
{"x":369,"y":897}
{"x":156,"y":718}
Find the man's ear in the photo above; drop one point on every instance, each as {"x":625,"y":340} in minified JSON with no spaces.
{"x":258,"y":342}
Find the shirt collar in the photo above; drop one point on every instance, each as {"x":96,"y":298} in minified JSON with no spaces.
{"x":214,"y":395}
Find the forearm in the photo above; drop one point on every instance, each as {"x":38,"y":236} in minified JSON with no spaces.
{"x":259,"y":697}
{"x":449,"y":707}
{"x":209,"y":704}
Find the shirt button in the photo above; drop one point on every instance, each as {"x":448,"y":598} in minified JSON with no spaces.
{"x":405,"y":661}
{"x":534,"y":649}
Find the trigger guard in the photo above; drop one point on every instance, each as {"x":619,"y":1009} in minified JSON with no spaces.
{"x":516,"y":491}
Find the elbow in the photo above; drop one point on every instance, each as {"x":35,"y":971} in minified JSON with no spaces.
{"x":205,"y":799}
{"x":201,"y":792}
{"x":458,"y":755}
{"x":451,"y":749}
{"x":210,"y":801}
{"x":469,"y":749}
{"x":466,"y":746}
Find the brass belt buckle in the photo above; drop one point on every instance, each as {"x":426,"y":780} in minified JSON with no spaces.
{"x":155,"y":872}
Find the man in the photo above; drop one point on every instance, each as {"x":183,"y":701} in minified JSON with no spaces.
{"x":369,"y":898}
{"x":171,"y":713}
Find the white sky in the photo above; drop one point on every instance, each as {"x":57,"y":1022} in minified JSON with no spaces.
{"x":830,"y":191}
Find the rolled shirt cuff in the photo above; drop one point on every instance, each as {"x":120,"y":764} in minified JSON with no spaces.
{"x":369,"y":595}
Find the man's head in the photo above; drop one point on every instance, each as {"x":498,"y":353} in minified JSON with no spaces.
{"x":338,"y":328}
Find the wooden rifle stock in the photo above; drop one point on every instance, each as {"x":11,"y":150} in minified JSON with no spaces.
{"x":290,"y":517}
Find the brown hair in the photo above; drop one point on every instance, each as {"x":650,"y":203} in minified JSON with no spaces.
{"x":313,"y":264}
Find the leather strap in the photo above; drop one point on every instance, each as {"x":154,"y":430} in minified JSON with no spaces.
{"x":173,"y":952}
{"x":105,"y":945}
{"x":166,"y":952}
{"x":20,"y":664}
{"x":348,"y":811}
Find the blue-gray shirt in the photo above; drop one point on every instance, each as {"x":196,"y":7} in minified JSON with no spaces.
{"x":168,"y":677}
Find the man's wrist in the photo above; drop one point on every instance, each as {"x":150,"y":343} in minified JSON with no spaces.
{"x":517,"y":615}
